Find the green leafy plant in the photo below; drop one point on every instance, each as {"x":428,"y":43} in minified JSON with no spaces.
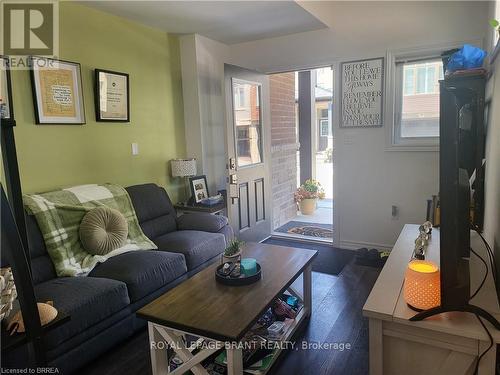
{"x":233,"y":248}
{"x":496,"y":25}
{"x":311,"y":189}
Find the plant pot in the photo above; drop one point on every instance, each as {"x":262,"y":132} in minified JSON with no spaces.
{"x":231,"y":258}
{"x":308,"y":206}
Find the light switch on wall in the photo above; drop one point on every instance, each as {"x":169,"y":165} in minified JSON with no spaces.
{"x":135,"y":148}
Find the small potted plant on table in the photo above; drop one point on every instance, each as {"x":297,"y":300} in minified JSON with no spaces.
{"x":232,"y":253}
{"x":307,"y":196}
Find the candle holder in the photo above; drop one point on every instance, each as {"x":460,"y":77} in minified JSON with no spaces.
{"x":422,"y":287}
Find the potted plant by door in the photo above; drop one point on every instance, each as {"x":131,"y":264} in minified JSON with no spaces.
{"x":307,"y":196}
{"x":232,"y":253}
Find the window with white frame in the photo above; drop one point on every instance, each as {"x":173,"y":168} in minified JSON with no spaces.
{"x":417,"y":102}
{"x":324,"y":123}
{"x":324,"y":127}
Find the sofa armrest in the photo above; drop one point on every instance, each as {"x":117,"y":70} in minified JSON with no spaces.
{"x":201,"y":221}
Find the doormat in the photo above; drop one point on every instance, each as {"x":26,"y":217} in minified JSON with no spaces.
{"x":307,"y":229}
{"x":330,"y":260}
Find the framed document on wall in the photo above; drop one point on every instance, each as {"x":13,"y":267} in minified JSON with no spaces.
{"x":112,"y":96}
{"x":6,"y":108}
{"x":362,"y":91}
{"x":57,"y":91}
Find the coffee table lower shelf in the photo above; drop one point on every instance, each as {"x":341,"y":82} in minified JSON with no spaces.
{"x":159,"y":333}
{"x":192,"y":362}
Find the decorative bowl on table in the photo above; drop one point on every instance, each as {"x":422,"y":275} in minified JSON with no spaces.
{"x":240,"y":278}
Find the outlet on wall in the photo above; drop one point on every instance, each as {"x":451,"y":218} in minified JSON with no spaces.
{"x":395,"y":211}
{"x":135,"y":148}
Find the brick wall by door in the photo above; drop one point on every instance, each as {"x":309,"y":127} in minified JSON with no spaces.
{"x":283,"y":147}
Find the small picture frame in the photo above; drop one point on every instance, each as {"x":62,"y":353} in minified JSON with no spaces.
{"x":112,"y":96}
{"x":57,"y":91}
{"x":198,"y":186}
{"x":6,"y":107}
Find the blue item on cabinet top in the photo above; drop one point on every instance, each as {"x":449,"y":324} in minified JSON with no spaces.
{"x":467,"y":57}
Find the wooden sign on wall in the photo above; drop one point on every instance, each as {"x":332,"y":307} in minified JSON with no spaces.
{"x":362,"y":93}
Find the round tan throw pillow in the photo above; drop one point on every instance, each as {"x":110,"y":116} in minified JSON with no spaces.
{"x":102,"y":230}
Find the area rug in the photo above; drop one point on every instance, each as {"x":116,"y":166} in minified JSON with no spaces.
{"x":331,"y":260}
{"x":307,"y":229}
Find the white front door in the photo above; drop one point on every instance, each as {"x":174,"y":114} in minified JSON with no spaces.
{"x":249,"y":149}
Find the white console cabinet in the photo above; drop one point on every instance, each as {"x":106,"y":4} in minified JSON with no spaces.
{"x":445,"y":344}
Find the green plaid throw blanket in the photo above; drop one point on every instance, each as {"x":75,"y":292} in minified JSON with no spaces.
{"x":59,"y":213}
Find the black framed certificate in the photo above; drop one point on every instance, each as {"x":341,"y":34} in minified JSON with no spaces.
{"x":112,"y":96}
{"x":57,"y":91}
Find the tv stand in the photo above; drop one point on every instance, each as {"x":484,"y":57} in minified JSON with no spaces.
{"x":444,"y":340}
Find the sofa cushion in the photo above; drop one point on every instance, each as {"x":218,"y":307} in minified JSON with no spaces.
{"x":196,"y":246}
{"x":142,"y":271}
{"x":153,"y":208}
{"x":102,"y":230}
{"x":88,"y":301}
{"x":201,"y":221}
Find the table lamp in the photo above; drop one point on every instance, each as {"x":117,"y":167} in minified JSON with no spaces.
{"x":422,"y":288}
{"x":184,"y":168}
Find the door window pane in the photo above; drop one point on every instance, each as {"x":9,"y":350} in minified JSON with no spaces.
{"x":247,"y":122}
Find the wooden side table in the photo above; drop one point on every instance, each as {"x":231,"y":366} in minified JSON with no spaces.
{"x":218,"y":209}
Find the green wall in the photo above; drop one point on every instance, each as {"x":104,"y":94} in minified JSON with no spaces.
{"x":53,"y":156}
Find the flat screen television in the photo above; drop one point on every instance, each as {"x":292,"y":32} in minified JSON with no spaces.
{"x":461,"y":187}
{"x":458,"y":154}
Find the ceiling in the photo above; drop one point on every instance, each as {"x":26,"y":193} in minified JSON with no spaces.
{"x":229,"y":22}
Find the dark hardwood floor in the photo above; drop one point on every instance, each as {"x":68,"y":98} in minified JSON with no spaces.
{"x":336,"y":319}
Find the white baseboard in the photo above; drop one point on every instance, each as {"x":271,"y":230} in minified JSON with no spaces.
{"x":355,"y":245}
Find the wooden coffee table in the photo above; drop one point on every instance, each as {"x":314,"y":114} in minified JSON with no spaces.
{"x":222,"y":314}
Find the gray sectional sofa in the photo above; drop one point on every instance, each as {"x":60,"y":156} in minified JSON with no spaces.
{"x":102,"y":305}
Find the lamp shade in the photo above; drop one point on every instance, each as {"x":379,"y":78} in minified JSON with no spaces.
{"x":183,"y":167}
{"x":422,"y":288}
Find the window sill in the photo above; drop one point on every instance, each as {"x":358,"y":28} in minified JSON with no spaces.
{"x":412,"y":148}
